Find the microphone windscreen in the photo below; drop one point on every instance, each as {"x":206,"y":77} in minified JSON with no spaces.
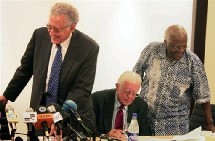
{"x":41,"y":110}
{"x":68,"y":105}
{"x":54,"y":107}
{"x":51,"y":109}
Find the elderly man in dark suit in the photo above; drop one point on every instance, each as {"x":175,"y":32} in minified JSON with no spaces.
{"x":107,"y":103}
{"x":78,"y":67}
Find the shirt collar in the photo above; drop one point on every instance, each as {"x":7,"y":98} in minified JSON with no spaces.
{"x":118,"y":104}
{"x":66,"y":43}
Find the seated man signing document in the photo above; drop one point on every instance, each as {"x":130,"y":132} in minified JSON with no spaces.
{"x":107,"y":103}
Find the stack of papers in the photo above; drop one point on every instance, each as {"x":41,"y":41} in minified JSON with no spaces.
{"x":194,"y":135}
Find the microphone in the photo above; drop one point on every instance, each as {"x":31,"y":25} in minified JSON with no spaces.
{"x":11,"y":116}
{"x":12,"y":119}
{"x":44,"y":120}
{"x":71,"y":107}
{"x":30,"y":118}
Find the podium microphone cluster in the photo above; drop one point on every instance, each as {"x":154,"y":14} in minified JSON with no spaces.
{"x":62,"y":119}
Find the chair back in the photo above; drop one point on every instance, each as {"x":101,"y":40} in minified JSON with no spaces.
{"x":198,"y":119}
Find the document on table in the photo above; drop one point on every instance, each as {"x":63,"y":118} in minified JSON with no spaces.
{"x":194,"y":135}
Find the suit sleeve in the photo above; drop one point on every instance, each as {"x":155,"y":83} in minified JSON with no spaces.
{"x":96,"y":105}
{"x":144,"y":125}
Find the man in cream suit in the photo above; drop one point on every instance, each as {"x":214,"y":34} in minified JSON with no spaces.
{"x":79,"y":59}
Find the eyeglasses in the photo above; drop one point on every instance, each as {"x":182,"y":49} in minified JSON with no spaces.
{"x":130,"y":92}
{"x":178,"y":47}
{"x":55,"y":29}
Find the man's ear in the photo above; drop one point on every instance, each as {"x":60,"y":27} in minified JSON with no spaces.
{"x":72,"y":27}
{"x":165,"y":42}
{"x":117,"y":85}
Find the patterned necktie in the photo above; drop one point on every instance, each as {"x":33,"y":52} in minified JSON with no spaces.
{"x":119,"y":118}
{"x":54,"y":77}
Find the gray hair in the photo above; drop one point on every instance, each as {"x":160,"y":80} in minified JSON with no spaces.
{"x":65,"y":9}
{"x":129,"y":76}
{"x":175,"y":32}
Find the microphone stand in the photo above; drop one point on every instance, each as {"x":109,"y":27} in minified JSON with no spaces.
{"x":13,"y":134}
{"x":31,"y":133}
{"x":80,"y":135}
{"x":13,"y":130}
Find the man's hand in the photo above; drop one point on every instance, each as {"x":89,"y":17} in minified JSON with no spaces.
{"x":210,"y":127}
{"x":53,"y":132}
{"x":208,"y":116}
{"x":116,"y":133}
{"x":3,"y":100}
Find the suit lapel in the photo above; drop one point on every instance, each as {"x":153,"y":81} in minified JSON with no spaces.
{"x":46,"y":51}
{"x":70,"y":57}
{"x":108,"y":111}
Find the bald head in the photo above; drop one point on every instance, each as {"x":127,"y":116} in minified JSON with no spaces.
{"x":176,"y":42}
{"x":175,"y":33}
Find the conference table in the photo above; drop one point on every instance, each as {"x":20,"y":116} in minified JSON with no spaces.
{"x":204,"y":136}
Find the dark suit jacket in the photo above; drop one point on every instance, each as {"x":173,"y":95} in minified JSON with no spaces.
{"x":76,"y":77}
{"x":104,"y":105}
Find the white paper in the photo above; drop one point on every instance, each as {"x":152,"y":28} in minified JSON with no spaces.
{"x":194,"y":135}
{"x":144,"y":138}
